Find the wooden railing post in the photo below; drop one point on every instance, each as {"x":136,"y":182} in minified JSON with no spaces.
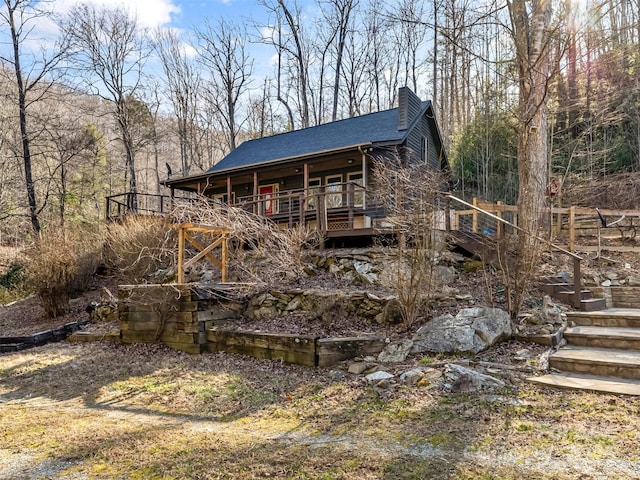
{"x":572,"y":228}
{"x":577,"y":283}
{"x":474,"y":215}
{"x":500,"y":226}
{"x":447,"y":214}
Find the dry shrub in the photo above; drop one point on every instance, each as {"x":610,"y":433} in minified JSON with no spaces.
{"x":408,"y":193}
{"x":258,"y":250}
{"x":138,"y":247}
{"x":60,"y":265}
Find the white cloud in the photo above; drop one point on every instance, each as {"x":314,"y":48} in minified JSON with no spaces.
{"x":150,"y":13}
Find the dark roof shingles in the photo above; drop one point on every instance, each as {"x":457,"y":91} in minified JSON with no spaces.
{"x":372,"y":128}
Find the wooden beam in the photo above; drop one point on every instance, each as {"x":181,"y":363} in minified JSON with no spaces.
{"x":229,"y":191}
{"x":180,"y":255}
{"x":572,"y":229}
{"x":204,"y":251}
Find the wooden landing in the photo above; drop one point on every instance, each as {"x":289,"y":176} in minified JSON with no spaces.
{"x":594,"y":383}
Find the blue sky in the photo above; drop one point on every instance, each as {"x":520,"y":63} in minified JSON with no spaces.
{"x":182,"y":14}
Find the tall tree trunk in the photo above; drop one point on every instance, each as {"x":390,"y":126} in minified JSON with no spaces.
{"x":22,"y":109}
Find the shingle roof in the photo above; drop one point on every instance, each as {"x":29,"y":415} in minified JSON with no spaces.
{"x":373,"y":128}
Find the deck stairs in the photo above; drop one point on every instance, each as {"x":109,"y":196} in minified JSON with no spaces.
{"x":602,"y":353}
{"x":561,"y":289}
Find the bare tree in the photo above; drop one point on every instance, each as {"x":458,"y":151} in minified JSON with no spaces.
{"x":110,"y":50}
{"x":183,"y":83}
{"x":293,"y":55}
{"x":342,"y":11}
{"x":34,"y":75}
{"x":223,"y":52}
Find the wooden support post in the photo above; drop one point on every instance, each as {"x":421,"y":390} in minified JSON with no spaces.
{"x":572,"y":228}
{"x":447,"y":214}
{"x":181,"y":254}
{"x":474,"y":224}
{"x":500,"y":226}
{"x":229,"y":192}
{"x":577,"y":284}
{"x":223,"y":258}
{"x":255,"y":193}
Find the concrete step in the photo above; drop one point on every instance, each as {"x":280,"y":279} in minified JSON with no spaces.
{"x":593,"y":304}
{"x":604,"y":362}
{"x":612,"y":317}
{"x":592,"y":383}
{"x":622,"y":338}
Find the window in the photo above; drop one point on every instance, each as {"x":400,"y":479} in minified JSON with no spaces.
{"x":312,"y":192}
{"x":334,"y":184}
{"x":355,"y":186}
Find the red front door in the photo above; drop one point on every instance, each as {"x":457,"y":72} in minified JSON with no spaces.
{"x":266,"y":194}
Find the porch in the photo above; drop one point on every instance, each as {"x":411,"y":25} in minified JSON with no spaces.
{"x":338,"y":210}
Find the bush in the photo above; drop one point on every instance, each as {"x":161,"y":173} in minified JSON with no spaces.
{"x":138,"y":247}
{"x":60,"y":265}
{"x":14,"y":277}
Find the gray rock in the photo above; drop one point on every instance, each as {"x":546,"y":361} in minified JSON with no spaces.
{"x":444,"y":275}
{"x":377,"y":376}
{"x":633,"y":282}
{"x":606,"y":283}
{"x":358,"y":368}
{"x":462,"y":379}
{"x":471,"y":330}
{"x":412,"y":376}
{"x":396,"y":352}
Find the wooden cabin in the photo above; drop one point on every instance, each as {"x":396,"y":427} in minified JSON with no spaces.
{"x":321,"y":176}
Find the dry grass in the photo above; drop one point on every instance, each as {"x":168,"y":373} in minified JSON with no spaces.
{"x":108,"y":411}
{"x":139,"y":246}
{"x":61,"y":264}
{"x":259,"y":251}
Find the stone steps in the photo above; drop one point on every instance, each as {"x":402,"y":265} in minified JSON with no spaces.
{"x":602,"y":353}
{"x":623,"y":338}
{"x":593,"y":383}
{"x":612,"y":317}
{"x":606,"y":362}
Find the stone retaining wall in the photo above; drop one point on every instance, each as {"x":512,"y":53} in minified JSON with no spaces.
{"x":274,"y":303}
{"x":192,"y":319}
{"x":618,"y":296}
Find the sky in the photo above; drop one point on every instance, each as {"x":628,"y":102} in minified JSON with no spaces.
{"x":180,"y":14}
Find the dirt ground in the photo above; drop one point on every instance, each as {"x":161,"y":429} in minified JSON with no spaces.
{"x":107,"y":411}
{"x":103,"y":410}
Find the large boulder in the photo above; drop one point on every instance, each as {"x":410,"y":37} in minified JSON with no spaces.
{"x":471,"y":330}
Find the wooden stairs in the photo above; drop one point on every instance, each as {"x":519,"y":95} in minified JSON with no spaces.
{"x":560,"y":289}
{"x":602,"y":353}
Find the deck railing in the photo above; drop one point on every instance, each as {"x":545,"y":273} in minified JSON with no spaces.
{"x":334,"y":207}
{"x":138,"y":203}
{"x":493,"y":226}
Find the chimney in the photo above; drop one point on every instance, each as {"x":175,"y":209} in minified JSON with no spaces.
{"x":408,"y":107}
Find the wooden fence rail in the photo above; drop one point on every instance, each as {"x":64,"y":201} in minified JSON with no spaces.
{"x":575,"y":228}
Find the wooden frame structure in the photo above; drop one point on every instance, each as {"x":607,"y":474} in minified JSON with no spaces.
{"x":185,"y":231}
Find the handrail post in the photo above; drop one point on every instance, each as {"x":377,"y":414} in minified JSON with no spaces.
{"x":474,"y":224}
{"x":577,"y":283}
{"x":500,"y":225}
{"x":447,"y":212}
{"x":572,"y":228}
